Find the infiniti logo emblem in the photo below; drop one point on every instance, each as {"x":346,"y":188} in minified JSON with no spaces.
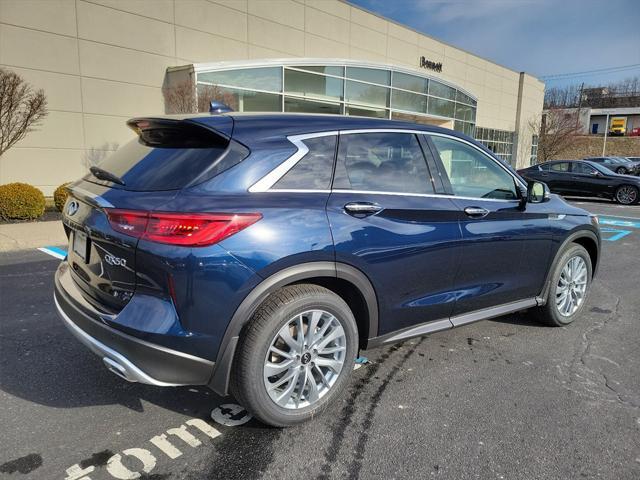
{"x":72,"y":208}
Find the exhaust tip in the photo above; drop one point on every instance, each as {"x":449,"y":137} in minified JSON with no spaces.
{"x":116,"y":368}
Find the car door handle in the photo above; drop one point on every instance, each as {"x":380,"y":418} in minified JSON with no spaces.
{"x":476,"y":212}
{"x":362,"y":208}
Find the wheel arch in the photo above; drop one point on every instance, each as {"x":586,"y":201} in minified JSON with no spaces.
{"x":587,"y":239}
{"x":351,"y":284}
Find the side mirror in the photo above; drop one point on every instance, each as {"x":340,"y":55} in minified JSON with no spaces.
{"x":538,"y":192}
{"x":595,"y":173}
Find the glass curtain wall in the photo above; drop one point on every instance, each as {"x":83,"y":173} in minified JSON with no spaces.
{"x":337,"y":89}
{"x":499,"y":142}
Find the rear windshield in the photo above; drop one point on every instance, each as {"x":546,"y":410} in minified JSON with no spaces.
{"x":145,"y":168}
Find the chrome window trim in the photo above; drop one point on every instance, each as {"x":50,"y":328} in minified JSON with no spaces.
{"x":266,"y":182}
{"x":271,"y":178}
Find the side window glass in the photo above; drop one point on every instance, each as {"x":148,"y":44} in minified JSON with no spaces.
{"x":472,"y":173}
{"x":313,"y":171}
{"x":383,"y":162}
{"x":583,"y":168}
{"x":561,"y":167}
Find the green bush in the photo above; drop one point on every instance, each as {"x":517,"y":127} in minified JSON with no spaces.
{"x":20,"y":201}
{"x":60,"y":196}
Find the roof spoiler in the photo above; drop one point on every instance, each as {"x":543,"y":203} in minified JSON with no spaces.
{"x":180,"y":133}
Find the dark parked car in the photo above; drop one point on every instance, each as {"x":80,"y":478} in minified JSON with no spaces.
{"x":257,"y":254}
{"x":582,"y":178}
{"x":619,"y":165}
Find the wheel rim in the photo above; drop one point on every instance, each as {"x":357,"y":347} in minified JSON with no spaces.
{"x":621,"y":171}
{"x":304,"y":359}
{"x":626,"y":194}
{"x":572,"y":286}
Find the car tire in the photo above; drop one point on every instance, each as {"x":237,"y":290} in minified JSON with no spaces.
{"x":627,"y":195}
{"x":566,"y":285}
{"x":277,"y":319}
{"x":621,"y":171}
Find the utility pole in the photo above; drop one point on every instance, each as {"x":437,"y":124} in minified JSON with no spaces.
{"x":579,"y":107}
{"x":606,"y":131}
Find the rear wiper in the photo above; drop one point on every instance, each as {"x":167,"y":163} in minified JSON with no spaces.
{"x":104,"y":175}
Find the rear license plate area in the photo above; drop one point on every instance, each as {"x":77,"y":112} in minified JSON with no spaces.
{"x":80,"y":245}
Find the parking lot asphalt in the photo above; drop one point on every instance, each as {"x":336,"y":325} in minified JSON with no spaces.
{"x":504,"y":399}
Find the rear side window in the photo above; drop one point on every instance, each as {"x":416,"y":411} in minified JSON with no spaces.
{"x":382,"y":162}
{"x":560,"y":167}
{"x":171,"y":157}
{"x":313,"y":171}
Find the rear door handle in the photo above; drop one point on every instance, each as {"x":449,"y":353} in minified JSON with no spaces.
{"x":476,"y":212}
{"x":362,"y":208}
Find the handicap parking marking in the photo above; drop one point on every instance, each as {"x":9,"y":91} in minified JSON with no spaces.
{"x":618,"y":234}
{"x":56,"y":252}
{"x":618,"y":222}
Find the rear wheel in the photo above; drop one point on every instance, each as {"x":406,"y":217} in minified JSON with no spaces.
{"x":627,"y":195}
{"x":569,"y":287}
{"x":296,"y":355}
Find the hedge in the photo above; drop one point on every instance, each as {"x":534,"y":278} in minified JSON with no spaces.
{"x":60,"y":196}
{"x":20,"y":201}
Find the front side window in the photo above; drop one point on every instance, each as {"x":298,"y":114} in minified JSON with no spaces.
{"x":472,"y":173}
{"x":313,"y":171}
{"x":583,"y":169}
{"x":382,"y":162}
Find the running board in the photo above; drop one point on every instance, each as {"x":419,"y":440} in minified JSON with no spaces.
{"x":456,"y":321}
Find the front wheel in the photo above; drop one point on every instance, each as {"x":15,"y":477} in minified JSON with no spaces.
{"x":621,"y":170}
{"x":627,"y":195}
{"x":569,"y":286}
{"x":295,"y":356}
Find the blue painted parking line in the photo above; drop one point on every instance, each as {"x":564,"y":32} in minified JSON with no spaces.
{"x":618,"y":234}
{"x":56,"y":252}
{"x":617,"y":222}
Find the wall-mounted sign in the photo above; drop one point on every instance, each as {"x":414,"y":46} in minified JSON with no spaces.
{"x":429,"y":65}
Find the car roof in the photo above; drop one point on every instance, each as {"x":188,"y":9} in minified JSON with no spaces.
{"x":300,"y":123}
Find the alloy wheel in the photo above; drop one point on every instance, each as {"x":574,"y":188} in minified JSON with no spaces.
{"x":626,"y":194}
{"x":304,"y":359}
{"x":572,"y":286}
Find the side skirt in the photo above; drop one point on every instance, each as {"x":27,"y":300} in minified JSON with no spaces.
{"x":456,"y":321}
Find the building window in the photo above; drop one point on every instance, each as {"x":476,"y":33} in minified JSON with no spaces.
{"x":500,"y":142}
{"x":347,"y":89}
{"x":534,"y":150}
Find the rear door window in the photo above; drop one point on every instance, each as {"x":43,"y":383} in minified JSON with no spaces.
{"x":560,"y":167}
{"x":313,"y":171}
{"x":382,"y":162}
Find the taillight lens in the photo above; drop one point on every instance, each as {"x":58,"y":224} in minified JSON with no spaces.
{"x":187,"y":229}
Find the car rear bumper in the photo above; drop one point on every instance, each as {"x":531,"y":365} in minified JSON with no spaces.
{"x":131,"y":358}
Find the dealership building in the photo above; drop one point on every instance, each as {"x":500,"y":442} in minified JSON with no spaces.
{"x":101,"y":62}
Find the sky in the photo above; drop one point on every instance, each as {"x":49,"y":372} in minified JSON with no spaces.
{"x":541,"y":37}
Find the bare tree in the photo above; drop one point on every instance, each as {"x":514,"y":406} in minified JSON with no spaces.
{"x":557,"y":131}
{"x":21,"y":108}
{"x":181,"y":98}
{"x":94,"y":155}
{"x":207,"y":93}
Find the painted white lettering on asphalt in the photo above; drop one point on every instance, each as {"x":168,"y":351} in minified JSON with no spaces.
{"x":165,"y":446}
{"x":117,"y":469}
{"x":76,"y":472}
{"x":181,"y":432}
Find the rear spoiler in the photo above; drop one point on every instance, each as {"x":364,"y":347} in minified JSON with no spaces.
{"x":183,"y":133}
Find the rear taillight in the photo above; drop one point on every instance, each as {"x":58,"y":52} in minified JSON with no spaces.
{"x":187,"y":229}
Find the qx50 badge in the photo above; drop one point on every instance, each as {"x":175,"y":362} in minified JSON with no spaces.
{"x":116,"y":261}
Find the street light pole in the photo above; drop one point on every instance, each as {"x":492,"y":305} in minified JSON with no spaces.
{"x":606,"y":131}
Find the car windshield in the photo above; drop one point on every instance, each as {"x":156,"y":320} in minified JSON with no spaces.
{"x":601,"y":168}
{"x":622,"y":159}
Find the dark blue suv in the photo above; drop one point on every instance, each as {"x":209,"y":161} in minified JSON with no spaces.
{"x":257,"y":253}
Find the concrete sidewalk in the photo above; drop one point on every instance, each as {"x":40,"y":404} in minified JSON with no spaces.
{"x":23,"y":236}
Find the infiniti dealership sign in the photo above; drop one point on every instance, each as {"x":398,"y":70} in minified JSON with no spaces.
{"x":429,"y":65}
